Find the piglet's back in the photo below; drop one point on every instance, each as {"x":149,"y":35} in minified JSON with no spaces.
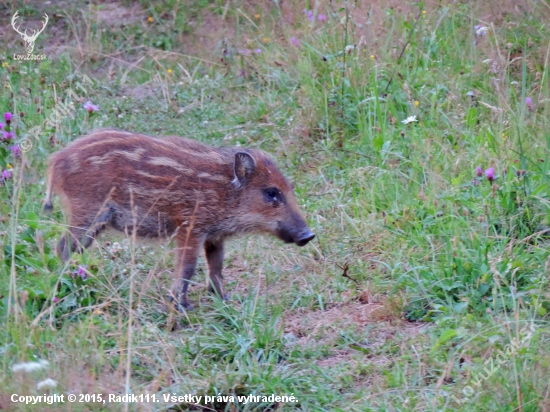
{"x":106,"y":150}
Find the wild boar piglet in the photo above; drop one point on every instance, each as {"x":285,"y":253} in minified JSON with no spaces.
{"x":171,"y":187}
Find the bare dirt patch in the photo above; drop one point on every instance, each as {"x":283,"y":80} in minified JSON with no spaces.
{"x":378,"y":313}
{"x":115,"y":14}
{"x":306,"y":323}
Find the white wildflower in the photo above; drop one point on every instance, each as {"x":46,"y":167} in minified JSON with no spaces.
{"x":115,"y":248}
{"x":481,"y":30}
{"x":46,"y":384}
{"x":349,"y":48}
{"x":30,"y":366}
{"x":409,"y":119}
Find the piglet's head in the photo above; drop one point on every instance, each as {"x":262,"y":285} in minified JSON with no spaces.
{"x":267,"y":202}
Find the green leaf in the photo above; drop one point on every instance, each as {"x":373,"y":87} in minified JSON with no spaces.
{"x":471,"y":117}
{"x":461,"y":306}
{"x":32,"y":220}
{"x":360,"y":348}
{"x":446,"y":335}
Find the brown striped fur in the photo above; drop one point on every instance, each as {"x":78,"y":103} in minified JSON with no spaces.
{"x":171,"y":186}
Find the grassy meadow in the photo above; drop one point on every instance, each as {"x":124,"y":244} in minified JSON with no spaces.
{"x":418,"y":137}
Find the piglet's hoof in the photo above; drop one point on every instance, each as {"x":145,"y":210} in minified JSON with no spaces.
{"x":181,"y":306}
{"x":215,"y":293}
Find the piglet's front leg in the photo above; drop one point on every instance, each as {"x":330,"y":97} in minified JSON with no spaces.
{"x":214,"y":257}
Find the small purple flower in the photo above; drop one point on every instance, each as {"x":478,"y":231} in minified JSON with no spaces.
{"x":7,"y":135}
{"x":16,"y":151}
{"x":309,"y":14}
{"x":322,"y":17}
{"x":90,"y":107}
{"x":258,"y":51}
{"x":82,"y":271}
{"x":294,"y":41}
{"x":529,"y":103}
{"x":7,"y":117}
{"x":479,"y":171}
{"x":55,"y":299}
{"x":6,"y":174}
{"x":475,"y":182}
{"x":2,"y":125}
{"x":490,"y":173}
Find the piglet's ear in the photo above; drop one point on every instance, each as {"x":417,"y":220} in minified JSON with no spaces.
{"x":244,"y":167}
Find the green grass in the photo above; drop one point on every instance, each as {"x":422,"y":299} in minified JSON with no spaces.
{"x":422,"y":275}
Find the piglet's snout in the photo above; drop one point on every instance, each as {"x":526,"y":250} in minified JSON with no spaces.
{"x":305,"y":237}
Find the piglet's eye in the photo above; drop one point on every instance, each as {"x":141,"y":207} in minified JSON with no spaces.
{"x":271,"y":193}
